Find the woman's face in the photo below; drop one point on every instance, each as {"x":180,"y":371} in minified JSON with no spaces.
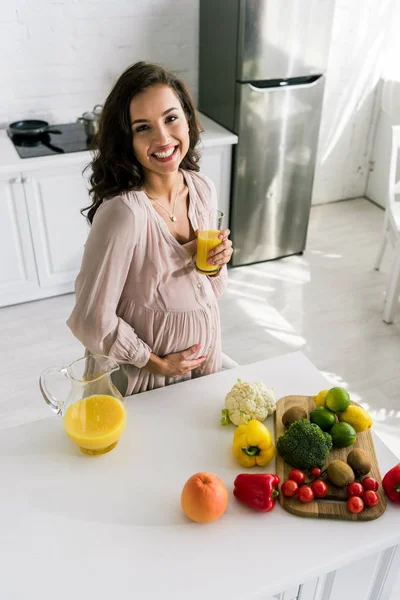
{"x":160,"y":131}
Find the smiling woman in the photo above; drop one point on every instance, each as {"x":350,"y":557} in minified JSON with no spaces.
{"x":139,"y":298}
{"x":160,"y":143}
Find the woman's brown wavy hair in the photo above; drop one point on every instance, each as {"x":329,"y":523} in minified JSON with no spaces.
{"x":115,"y":168}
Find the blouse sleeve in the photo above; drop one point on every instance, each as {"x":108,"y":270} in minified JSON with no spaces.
{"x":99,"y":285}
{"x":219,"y":282}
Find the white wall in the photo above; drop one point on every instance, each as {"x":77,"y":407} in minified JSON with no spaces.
{"x":388,"y":114}
{"x":58,"y":58}
{"x":358,"y":48}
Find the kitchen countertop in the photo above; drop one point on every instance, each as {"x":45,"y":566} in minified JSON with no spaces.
{"x":112,"y":526}
{"x":11,"y":163}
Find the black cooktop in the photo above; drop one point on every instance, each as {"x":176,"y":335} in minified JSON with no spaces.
{"x":62,"y":139}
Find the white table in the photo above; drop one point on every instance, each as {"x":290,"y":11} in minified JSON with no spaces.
{"x":106,"y":527}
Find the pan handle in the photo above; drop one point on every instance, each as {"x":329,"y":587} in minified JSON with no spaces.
{"x":54,"y":148}
{"x":57,"y":131}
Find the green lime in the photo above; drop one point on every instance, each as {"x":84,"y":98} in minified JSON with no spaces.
{"x":337,"y":399}
{"x":343,"y":435}
{"x":323,"y":417}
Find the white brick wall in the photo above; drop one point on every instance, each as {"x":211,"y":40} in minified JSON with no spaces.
{"x":58,"y":58}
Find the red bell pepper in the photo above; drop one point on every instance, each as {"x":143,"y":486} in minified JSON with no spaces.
{"x":391,"y":484}
{"x":257,"y":490}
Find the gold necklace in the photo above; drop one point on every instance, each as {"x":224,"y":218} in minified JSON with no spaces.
{"x":171,"y":215}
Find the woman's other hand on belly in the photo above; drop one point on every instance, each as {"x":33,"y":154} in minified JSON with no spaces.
{"x":176,"y":364}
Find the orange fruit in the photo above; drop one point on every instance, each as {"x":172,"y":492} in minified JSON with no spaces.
{"x":204,"y":498}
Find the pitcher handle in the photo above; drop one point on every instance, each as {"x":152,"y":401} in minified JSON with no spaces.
{"x":55,"y":405}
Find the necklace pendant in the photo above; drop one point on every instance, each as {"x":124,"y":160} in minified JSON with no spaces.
{"x":172,"y":217}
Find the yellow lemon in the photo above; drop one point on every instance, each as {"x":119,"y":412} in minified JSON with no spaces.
{"x":319,"y":399}
{"x":357,"y":417}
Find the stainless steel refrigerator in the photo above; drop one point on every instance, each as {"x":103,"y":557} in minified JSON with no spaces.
{"x":261,"y":69}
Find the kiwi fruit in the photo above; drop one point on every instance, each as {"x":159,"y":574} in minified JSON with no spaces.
{"x":293,"y":414}
{"x":340,"y":473}
{"x":359,"y":461}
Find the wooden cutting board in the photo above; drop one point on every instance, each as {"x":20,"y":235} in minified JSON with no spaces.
{"x":333,"y":506}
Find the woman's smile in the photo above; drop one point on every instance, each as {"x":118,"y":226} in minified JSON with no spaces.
{"x":166,"y":154}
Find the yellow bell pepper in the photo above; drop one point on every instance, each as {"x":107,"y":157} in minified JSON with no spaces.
{"x":252,"y":444}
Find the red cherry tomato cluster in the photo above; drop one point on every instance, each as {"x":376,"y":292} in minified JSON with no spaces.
{"x":362,"y":495}
{"x":306,"y":492}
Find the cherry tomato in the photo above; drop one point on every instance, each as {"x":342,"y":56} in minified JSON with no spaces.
{"x":289,"y":488}
{"x":370,"y":484}
{"x":315,"y":472}
{"x":355,"y":489}
{"x":297,"y":476}
{"x":371,"y":498}
{"x":319,"y":488}
{"x":305,"y":494}
{"x":355,"y":504}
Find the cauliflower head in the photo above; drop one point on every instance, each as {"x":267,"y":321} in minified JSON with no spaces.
{"x":248,"y":401}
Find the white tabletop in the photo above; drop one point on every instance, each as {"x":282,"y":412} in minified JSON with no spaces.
{"x":74,"y":526}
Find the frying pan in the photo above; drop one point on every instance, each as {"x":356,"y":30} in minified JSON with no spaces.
{"x":30,"y":127}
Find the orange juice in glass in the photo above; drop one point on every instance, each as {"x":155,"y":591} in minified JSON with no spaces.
{"x":207,"y":239}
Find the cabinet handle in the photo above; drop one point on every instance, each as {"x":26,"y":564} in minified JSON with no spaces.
{"x":16,"y":180}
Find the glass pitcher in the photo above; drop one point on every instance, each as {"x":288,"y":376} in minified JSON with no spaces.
{"x":94,"y":415}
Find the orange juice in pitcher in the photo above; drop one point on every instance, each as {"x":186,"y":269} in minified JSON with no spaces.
{"x":95,"y":423}
{"x":94,"y":415}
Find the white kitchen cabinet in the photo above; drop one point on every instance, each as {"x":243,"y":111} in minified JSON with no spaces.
{"x":18,"y":276}
{"x":289,"y":594}
{"x":371,"y":578}
{"x":54,"y":198}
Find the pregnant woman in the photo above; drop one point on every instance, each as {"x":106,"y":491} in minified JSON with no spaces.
{"x":139,"y":298}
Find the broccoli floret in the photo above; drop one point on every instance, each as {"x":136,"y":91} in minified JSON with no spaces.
{"x":304,"y":445}
{"x":328,"y":440}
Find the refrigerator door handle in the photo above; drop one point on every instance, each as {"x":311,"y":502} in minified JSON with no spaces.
{"x":283,"y":86}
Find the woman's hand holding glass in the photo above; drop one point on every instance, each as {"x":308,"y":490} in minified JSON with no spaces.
{"x":222,"y":254}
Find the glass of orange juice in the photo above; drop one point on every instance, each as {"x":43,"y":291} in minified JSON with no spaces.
{"x":207,"y":239}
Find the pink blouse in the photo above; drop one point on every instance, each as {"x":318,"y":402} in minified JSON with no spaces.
{"x":138,"y":290}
